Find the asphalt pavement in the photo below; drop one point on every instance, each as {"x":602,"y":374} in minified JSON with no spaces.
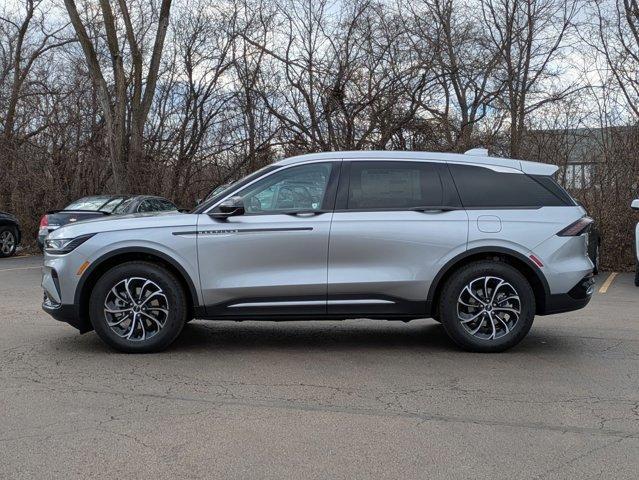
{"x":359,"y":399}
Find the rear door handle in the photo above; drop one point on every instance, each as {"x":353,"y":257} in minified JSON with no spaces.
{"x":428,"y":209}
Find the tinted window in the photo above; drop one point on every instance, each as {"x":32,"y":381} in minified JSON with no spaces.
{"x":295,"y":188}
{"x":481,"y":187}
{"x":379,"y":185}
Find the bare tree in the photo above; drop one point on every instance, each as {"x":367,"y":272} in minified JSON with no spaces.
{"x":529,"y":35}
{"x":618,"y":30}
{"x":125,"y":117}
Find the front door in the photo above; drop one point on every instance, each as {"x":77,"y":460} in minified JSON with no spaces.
{"x":273,"y":259}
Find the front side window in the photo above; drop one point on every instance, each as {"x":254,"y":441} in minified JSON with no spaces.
{"x":292,"y":189}
{"x":394,"y":185}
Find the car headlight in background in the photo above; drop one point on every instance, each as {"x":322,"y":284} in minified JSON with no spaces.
{"x":59,"y":246}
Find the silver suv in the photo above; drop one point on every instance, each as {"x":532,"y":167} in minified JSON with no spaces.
{"x":480,"y":244}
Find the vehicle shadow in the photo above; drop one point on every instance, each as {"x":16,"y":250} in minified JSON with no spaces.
{"x":350,"y":335}
{"x":312,"y":335}
{"x":418,"y":336}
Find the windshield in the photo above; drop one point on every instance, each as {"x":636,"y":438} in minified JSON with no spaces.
{"x":94,"y":204}
{"x":222,"y":191}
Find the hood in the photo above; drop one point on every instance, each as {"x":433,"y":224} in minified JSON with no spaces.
{"x":135,"y":221}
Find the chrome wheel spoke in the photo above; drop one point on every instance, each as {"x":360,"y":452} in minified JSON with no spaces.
{"x":470,"y":292}
{"x":503,"y":323}
{"x":117,"y":310}
{"x":492,"y":324}
{"x":157,"y":309}
{"x":155,"y":320}
{"x":505,"y":309}
{"x":154,"y":295}
{"x":142,"y":326}
{"x":113,"y":324}
{"x":474,"y":317}
{"x":497,"y":309}
{"x":136,"y":309}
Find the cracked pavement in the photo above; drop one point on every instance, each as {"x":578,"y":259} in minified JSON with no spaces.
{"x":343,"y":400}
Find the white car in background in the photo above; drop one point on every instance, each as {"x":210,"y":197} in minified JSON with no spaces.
{"x":635,"y":206}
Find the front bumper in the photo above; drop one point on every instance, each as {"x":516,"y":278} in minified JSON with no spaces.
{"x":578,"y":297}
{"x":59,"y":285}
{"x":66,"y":313}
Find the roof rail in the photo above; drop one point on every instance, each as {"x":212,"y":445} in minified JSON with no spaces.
{"x":477,"y":152}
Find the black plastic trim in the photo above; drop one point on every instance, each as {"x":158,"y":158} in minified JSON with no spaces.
{"x":563,"y":302}
{"x":69,"y":314}
{"x":486,"y":250}
{"x":143,"y":250}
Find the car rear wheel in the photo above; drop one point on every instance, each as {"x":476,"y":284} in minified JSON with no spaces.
{"x":487,"y":306}
{"x":138,"y":307}
{"x":8,"y":242}
{"x":637,"y":275}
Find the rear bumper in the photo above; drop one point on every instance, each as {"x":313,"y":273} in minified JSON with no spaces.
{"x":578,"y":297}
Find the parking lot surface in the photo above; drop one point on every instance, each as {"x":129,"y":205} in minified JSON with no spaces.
{"x":305,"y":400}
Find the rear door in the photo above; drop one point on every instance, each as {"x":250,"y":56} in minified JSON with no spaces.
{"x":395,"y":224}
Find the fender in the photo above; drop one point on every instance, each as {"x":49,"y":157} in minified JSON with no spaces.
{"x":484,"y":250}
{"x":143,"y":250}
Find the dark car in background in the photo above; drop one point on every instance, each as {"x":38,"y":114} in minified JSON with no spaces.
{"x":594,"y":244}
{"x":98,"y":206}
{"x":9,"y":234}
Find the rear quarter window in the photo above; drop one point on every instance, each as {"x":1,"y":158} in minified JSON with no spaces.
{"x":481,"y":187}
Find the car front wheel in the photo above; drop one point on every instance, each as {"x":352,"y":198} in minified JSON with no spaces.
{"x":8,"y":242}
{"x":487,"y":306}
{"x":138,"y":307}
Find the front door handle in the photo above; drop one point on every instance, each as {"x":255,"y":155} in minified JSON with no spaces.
{"x":305,"y":213}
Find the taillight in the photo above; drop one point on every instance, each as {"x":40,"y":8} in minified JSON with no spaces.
{"x":576,"y":228}
{"x":44,"y":221}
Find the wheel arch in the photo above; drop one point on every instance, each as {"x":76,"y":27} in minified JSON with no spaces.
{"x":534,"y":276}
{"x":128,"y":254}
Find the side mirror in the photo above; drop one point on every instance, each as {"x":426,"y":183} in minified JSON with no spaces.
{"x":230,"y":207}
{"x":635,"y":204}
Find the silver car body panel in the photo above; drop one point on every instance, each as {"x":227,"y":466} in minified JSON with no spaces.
{"x":333,"y":260}
{"x":395,"y":254}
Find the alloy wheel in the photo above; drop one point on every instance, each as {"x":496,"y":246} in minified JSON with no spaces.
{"x":136,"y":309}
{"x":7,"y":242}
{"x":488,"y":307}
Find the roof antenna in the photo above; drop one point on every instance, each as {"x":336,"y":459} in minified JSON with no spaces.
{"x":477,"y":152}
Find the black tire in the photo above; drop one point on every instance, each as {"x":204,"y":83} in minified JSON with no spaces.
{"x":637,"y":276}
{"x":173,"y":320}
{"x":452,"y":290}
{"x":4,"y":231}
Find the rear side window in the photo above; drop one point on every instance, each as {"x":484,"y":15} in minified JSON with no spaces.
{"x":481,"y":187}
{"x":380,"y":185}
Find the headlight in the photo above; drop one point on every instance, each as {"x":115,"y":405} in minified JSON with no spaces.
{"x":59,"y":246}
